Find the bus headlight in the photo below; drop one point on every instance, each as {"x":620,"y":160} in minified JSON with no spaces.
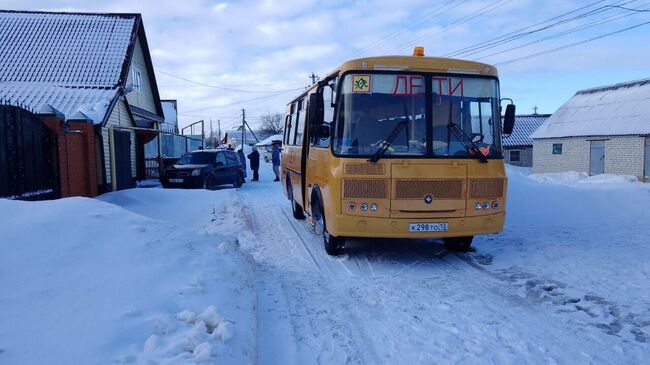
{"x":363,"y":207}
{"x":352,"y":206}
{"x":495,"y":205}
{"x":373,"y":207}
{"x":486,"y":205}
{"x":478,"y":206}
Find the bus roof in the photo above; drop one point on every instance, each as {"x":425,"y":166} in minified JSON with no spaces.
{"x":420,"y":64}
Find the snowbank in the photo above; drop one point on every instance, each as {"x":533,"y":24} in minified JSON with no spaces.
{"x":145,"y":275}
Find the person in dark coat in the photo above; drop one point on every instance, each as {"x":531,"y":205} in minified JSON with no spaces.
{"x":255,"y":163}
{"x":275,"y":158}
{"x":242,"y":160}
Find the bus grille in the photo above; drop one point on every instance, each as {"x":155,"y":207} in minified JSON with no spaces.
{"x":486,"y":188}
{"x":364,"y":169}
{"x":440,"y":189}
{"x":371,"y":188}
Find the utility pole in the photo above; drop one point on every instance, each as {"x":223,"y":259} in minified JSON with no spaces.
{"x":313,"y":78}
{"x":211,"y":135}
{"x":243,"y":127}
{"x":535,"y":110}
{"x":219,"y":126}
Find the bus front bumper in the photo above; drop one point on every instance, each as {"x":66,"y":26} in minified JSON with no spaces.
{"x":353,"y":226}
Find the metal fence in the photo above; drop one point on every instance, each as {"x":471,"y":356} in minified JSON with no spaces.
{"x":165,"y":149}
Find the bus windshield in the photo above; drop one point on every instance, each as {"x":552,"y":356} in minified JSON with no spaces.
{"x":372,"y":106}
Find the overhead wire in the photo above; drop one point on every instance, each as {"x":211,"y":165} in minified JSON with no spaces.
{"x":570,"y":45}
{"x":536,"y":30}
{"x":482,"y":11}
{"x":221,"y":87}
{"x":489,"y":42}
{"x":569,"y":31}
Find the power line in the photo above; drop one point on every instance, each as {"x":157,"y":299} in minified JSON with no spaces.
{"x":221,"y":87}
{"x":571,"y":44}
{"x":482,"y":11}
{"x":537,"y":30}
{"x":570,"y":31}
{"x":489,"y":42}
{"x":243,"y":101}
{"x":426,"y":17}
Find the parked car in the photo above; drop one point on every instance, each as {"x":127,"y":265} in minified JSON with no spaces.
{"x":205,"y":169}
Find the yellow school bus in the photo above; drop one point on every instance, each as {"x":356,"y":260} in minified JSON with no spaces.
{"x":399,"y":147}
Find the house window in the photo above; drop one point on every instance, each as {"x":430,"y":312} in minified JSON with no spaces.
{"x":557,"y":148}
{"x":137,"y":80}
{"x":515,"y":156}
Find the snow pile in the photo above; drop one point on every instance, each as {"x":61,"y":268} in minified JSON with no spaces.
{"x":146,"y":276}
{"x":574,"y":178}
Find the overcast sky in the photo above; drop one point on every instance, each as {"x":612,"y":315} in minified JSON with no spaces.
{"x":265,"y":50}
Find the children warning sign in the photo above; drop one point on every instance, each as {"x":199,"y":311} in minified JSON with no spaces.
{"x":361,"y":83}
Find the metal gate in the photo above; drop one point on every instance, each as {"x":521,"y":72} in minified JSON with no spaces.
{"x":122,"y":145}
{"x":597,"y":158}
{"x":28,"y":156}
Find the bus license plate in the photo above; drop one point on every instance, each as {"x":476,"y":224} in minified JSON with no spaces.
{"x":176,"y":180}
{"x":429,"y":227}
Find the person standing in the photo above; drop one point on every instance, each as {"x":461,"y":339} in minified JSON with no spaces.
{"x":255,"y":163}
{"x":275,"y":158}
{"x":242,"y":161}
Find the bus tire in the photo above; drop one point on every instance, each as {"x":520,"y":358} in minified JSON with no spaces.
{"x":458,"y":244}
{"x":296,"y":209}
{"x":334,"y":246}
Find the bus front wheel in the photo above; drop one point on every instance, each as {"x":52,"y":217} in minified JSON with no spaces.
{"x":458,"y":244}
{"x":334,"y":246}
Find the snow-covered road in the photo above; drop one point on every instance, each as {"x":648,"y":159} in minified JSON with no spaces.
{"x":411,"y":301}
{"x":181,"y":277}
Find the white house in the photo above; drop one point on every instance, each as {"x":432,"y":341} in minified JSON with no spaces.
{"x":600,"y":130}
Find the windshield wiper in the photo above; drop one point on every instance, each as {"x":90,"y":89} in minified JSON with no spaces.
{"x":464,"y":138}
{"x":391,"y":137}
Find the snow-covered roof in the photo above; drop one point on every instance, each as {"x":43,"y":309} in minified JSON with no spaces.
{"x":88,"y":104}
{"x":270,"y":140}
{"x":524,"y":126}
{"x":65,"y":49}
{"x":620,"y":109}
{"x":71,"y":62}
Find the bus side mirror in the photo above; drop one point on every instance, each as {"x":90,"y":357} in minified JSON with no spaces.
{"x":319,"y":131}
{"x":509,"y":119}
{"x":316,"y":110}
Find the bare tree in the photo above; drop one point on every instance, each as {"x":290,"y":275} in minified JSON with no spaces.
{"x":272,"y":123}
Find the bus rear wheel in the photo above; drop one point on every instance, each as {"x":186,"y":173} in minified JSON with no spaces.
{"x":334,"y":246}
{"x":296,"y":209}
{"x":458,"y":244}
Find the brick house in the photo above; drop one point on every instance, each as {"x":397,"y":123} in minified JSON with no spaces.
{"x":600,"y":130}
{"x":518,"y":147}
{"x":89,"y":77}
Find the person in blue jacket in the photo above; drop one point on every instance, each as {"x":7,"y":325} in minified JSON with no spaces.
{"x":255,"y":163}
{"x":275,"y":158}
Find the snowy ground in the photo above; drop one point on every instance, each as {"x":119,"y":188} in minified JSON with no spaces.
{"x":178,"y":276}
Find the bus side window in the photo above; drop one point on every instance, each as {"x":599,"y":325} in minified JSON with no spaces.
{"x":289,"y":124}
{"x":300,"y":122}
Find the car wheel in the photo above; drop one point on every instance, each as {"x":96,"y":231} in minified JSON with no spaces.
{"x":239,"y":181}
{"x":210,"y":182}
{"x":458,"y":244}
{"x":334,"y":246}
{"x":296,"y":209}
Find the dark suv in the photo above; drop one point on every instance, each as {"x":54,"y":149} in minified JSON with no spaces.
{"x":204,"y":169}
